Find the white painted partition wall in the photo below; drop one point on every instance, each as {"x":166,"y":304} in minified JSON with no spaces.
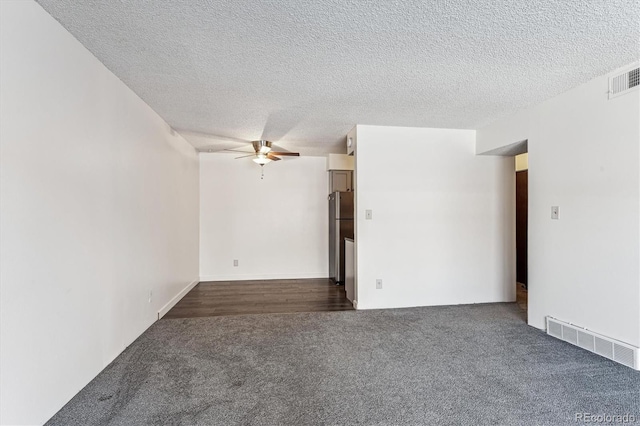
{"x":443,"y":219}
{"x":98,"y":215}
{"x":584,"y":157}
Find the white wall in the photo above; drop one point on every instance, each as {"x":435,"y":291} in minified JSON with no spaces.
{"x":99,"y":207}
{"x":584,"y":158}
{"x":438,"y":233}
{"x":276,"y":227}
{"x":340,"y":162}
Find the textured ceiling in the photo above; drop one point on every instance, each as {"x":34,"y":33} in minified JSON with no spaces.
{"x":304,"y":72}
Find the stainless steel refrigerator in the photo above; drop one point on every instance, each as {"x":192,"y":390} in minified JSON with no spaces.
{"x":340,"y":227}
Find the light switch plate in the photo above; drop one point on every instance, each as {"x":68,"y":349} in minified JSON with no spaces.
{"x":555,"y":212}
{"x":368,"y":214}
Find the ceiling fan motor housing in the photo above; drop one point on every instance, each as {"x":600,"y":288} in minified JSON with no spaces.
{"x":261,"y":146}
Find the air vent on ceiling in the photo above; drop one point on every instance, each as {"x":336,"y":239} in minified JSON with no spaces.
{"x":624,"y":83}
{"x":604,"y":346}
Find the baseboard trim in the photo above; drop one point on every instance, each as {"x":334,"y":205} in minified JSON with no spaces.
{"x":426,"y":305}
{"x":166,"y":308}
{"x":355,"y":304}
{"x":245,"y":277}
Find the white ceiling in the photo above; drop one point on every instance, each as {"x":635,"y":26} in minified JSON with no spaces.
{"x":303,"y":72}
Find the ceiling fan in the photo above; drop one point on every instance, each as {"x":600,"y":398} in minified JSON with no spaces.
{"x":265,"y":152}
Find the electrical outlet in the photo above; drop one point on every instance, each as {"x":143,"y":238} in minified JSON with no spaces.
{"x":555,"y":212}
{"x":378,"y":284}
{"x":235,"y":262}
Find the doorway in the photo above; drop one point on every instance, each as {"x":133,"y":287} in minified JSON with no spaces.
{"x":522,"y":229}
{"x":519,"y":151}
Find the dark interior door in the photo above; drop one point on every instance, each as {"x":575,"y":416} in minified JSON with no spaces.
{"x":522,"y":203}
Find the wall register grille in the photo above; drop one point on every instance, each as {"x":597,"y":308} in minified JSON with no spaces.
{"x":593,"y":342}
{"x":624,"y":83}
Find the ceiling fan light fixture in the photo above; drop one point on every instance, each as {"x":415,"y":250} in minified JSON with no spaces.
{"x":262,"y":159}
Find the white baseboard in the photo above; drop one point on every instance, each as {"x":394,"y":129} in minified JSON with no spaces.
{"x":166,"y":308}
{"x":243,"y":277}
{"x":355,"y":304}
{"x":364,"y":306}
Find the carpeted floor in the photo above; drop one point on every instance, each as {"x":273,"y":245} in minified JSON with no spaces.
{"x":455,"y":365}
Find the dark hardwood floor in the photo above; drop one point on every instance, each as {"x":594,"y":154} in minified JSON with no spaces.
{"x":218,"y":298}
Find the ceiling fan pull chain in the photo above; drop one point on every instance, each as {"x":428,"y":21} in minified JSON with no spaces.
{"x":261,"y":171}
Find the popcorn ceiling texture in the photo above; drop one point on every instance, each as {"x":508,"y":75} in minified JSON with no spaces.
{"x":304,"y":72}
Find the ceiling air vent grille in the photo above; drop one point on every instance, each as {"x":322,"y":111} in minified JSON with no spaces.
{"x":624,"y":82}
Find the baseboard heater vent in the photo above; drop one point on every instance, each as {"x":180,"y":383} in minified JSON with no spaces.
{"x":586,"y":339}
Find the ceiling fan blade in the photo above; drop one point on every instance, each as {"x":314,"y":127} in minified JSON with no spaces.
{"x":236,"y":150}
{"x":286,"y":153}
{"x":275,"y":147}
{"x":245,"y":156}
{"x":272,"y":157}
{"x":281,"y":122}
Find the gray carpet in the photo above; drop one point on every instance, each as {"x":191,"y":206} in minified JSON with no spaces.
{"x":454,"y":365}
